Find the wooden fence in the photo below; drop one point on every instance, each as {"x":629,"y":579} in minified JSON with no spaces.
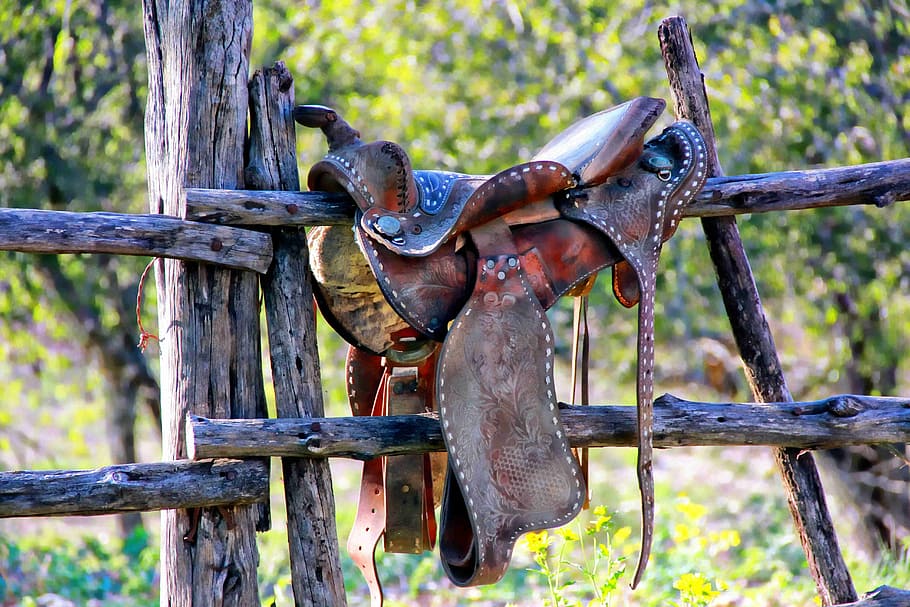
{"x":214,"y":427}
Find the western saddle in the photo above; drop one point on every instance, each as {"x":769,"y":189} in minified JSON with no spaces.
{"x":441,"y":292}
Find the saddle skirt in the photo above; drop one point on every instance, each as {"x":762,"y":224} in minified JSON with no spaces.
{"x":473,"y":262}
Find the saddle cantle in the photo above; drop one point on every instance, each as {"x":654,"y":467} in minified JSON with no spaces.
{"x":473,"y":262}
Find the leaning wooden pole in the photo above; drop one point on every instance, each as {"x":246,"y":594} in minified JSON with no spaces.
{"x":750,"y":329}
{"x":198,"y":65}
{"x":291,"y":317}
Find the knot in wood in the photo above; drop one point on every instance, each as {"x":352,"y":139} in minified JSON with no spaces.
{"x":845,"y":406}
{"x":885,"y":200}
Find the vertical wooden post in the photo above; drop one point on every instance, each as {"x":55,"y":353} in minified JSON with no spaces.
{"x":198,"y":58}
{"x":313,"y":540}
{"x":750,"y":329}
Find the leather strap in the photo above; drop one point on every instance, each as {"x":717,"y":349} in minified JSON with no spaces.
{"x":365,"y":374}
{"x":410,"y":525}
{"x":401,"y":383}
{"x":511,"y":469}
{"x":581,"y":347}
{"x":405,"y":475}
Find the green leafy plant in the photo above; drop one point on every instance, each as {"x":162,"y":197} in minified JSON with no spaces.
{"x":595,"y":576}
{"x":584,"y":563}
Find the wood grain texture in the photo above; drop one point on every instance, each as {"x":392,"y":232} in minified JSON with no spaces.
{"x":196,"y":123}
{"x":836,"y":421}
{"x":316,"y":577}
{"x":802,"y":484}
{"x":37,"y":231}
{"x":132,"y":488}
{"x":269,"y":207}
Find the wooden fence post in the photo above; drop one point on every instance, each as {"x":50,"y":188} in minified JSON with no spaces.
{"x":312,"y":537}
{"x":805,"y":495}
{"x":198,"y":62}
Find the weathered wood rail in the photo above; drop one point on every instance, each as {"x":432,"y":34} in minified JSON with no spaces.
{"x":38,"y":231}
{"x":878,"y":184}
{"x":822,"y":424}
{"x":221,"y":476}
{"x":133,"y":488}
{"x":206,"y":234}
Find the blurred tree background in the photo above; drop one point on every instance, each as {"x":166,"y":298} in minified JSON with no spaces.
{"x":476,"y":85}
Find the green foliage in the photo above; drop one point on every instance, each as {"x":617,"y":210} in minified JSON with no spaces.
{"x":71,"y":118}
{"x":697,"y":559}
{"x":793,"y":84}
{"x":106,"y":572}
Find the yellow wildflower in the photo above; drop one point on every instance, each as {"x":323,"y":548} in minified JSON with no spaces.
{"x":621,"y":535}
{"x":695,"y":586}
{"x":691,"y":510}
{"x":683,"y":532}
{"x":537,"y":541}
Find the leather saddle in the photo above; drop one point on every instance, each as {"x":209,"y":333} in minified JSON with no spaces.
{"x":441,"y":291}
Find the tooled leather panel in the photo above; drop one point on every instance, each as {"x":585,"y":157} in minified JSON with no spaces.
{"x":508,"y":450}
{"x":428,"y":292}
{"x":425,"y":291}
{"x":567,"y":252}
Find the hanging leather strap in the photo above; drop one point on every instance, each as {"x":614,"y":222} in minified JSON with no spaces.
{"x":365,"y":373}
{"x":580,"y":368}
{"x":396,"y":493}
{"x":410,"y":525}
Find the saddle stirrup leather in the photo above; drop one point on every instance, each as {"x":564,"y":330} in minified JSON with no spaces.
{"x":396,"y":501}
{"x":473,"y":263}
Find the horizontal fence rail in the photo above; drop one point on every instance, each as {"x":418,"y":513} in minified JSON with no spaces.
{"x":215,"y":476}
{"x":832,"y":422}
{"x":133,"y":487}
{"x":36,"y":231}
{"x":206,"y":234}
{"x":878,"y":184}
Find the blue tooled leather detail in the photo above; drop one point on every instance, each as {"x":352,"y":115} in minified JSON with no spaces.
{"x":434,"y":188}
